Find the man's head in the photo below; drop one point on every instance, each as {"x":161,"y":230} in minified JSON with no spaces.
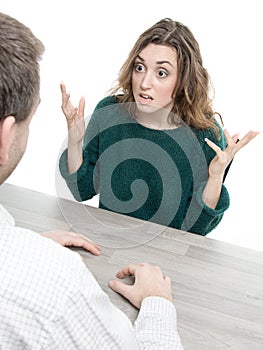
{"x":20,"y":53}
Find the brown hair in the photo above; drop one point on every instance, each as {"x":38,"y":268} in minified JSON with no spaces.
{"x":20,"y":52}
{"x":191,"y":96}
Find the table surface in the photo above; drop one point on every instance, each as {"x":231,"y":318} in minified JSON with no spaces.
{"x":217,"y":287}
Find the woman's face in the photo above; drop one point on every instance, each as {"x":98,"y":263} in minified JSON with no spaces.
{"x":154,"y":77}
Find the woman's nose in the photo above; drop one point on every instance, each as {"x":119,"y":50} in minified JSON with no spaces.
{"x":147,"y":80}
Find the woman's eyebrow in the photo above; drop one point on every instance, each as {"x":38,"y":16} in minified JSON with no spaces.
{"x":140,"y":58}
{"x":158,"y":62}
{"x":162,"y":62}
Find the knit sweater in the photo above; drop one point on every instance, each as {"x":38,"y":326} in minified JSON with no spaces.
{"x":154,"y":175}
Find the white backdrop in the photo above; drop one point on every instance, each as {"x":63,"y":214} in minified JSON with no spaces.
{"x":86,"y":44}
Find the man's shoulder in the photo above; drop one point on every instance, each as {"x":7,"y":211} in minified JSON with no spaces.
{"x":38,"y":278}
{"x":5,"y":217}
{"x":38,"y":272}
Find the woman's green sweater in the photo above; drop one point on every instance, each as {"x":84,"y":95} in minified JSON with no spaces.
{"x":154,"y":175}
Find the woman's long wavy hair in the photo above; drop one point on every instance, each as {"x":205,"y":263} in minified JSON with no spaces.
{"x":192,"y":103}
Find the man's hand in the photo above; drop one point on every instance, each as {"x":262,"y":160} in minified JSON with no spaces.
{"x":73,"y":239}
{"x":149,"y":281}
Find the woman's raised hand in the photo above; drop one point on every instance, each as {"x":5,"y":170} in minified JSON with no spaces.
{"x":74,"y":116}
{"x":223,"y":157}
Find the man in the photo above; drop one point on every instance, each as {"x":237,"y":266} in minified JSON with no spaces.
{"x":48,"y":298}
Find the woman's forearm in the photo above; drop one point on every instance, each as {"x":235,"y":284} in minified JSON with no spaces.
{"x":75,"y":158}
{"x":212,"y":191}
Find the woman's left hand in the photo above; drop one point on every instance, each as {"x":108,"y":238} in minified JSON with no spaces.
{"x":222,"y":158}
{"x":73,"y":239}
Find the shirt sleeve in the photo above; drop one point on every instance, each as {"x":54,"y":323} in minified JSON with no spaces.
{"x":52,"y":301}
{"x":156,"y":325}
{"x":89,"y":320}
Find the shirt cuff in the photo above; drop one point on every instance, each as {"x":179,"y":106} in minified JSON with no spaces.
{"x":158,"y":305}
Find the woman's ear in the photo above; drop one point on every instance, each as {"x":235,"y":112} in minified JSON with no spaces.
{"x":7,"y":135}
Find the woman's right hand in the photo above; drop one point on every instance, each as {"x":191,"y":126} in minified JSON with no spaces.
{"x":74,"y":117}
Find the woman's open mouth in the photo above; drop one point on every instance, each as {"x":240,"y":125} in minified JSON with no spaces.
{"x":145,"y":98}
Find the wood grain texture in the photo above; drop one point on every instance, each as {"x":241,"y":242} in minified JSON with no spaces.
{"x":217,"y":287}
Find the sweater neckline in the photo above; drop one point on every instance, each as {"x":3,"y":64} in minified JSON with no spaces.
{"x":145,"y":127}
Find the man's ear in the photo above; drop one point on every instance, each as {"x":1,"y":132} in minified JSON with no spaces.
{"x":7,"y":135}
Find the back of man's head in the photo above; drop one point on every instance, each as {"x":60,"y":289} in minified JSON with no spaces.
{"x":20,"y":53}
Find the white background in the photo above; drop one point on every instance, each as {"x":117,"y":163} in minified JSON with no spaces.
{"x":86,"y":44}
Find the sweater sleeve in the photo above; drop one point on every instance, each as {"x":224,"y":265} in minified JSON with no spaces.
{"x":207,"y":218}
{"x":84,"y":183}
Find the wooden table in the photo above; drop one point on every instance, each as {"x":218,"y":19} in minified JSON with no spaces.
{"x":218,"y":287}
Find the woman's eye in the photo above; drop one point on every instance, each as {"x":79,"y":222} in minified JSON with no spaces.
{"x":162,"y":73}
{"x":139,"y":67}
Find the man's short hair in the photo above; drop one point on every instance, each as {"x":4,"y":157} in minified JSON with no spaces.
{"x":20,"y":53}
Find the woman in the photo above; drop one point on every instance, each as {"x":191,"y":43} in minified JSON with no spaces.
{"x":153,"y":148}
